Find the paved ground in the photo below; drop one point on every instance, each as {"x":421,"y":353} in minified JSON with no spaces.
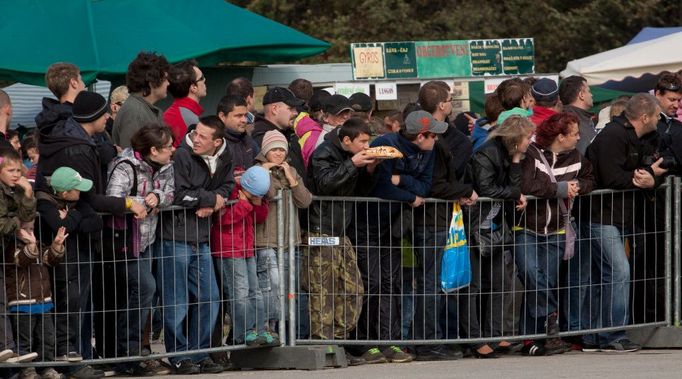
{"x":659,"y":364}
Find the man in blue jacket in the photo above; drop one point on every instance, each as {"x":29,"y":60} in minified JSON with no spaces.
{"x":404,"y":180}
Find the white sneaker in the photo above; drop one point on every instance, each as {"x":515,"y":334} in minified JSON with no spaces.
{"x":22,"y":358}
{"x":6,"y":354}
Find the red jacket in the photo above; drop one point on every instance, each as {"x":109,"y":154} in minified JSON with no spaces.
{"x":540,"y":114}
{"x":232,"y":236}
{"x":181,"y":114}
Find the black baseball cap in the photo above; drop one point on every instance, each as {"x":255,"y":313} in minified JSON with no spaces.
{"x":283,"y":95}
{"x":360,"y":102}
{"x":336,"y":104}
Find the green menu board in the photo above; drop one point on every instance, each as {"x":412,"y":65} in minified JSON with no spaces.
{"x":442,"y":59}
{"x":518,"y":56}
{"x":486,"y":57}
{"x":400,"y":59}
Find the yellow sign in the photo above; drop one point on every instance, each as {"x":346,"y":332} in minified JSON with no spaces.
{"x":368,"y":61}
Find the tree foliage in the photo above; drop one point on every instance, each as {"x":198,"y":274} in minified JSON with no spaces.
{"x":563,"y":30}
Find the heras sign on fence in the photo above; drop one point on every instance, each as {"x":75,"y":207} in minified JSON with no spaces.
{"x":442,"y":59}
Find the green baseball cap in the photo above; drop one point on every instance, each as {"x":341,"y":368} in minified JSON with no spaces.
{"x":66,"y":179}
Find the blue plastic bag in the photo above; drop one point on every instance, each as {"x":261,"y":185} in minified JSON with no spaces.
{"x":456,"y":267}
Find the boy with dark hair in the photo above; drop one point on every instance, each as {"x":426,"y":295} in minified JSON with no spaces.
{"x":147,"y":81}
{"x":187,"y":84}
{"x":339,"y":167}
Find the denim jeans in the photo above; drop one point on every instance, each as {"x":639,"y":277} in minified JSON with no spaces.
{"x":429,"y":243}
{"x":407,"y":301}
{"x":538,"y":259}
{"x":611,"y":299}
{"x":576,"y":309}
{"x":269,"y":283}
{"x":189,"y":290}
{"x":135,"y":279}
{"x":241,"y":290}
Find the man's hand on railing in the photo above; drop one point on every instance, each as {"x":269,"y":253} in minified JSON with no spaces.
{"x":643,"y":178}
{"x":521,"y":202}
{"x":657,"y":169}
{"x":418,"y":201}
{"x":469,"y":201}
{"x":219,"y":202}
{"x":204,"y":212}
{"x":139,"y":210}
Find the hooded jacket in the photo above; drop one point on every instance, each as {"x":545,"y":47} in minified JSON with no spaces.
{"x":160,"y":182}
{"x":135,"y":113}
{"x":232,"y":233}
{"x":332,"y":173}
{"x":243,"y":149}
{"x":540,"y":114}
{"x":67,"y":144}
{"x":196,"y":188}
{"x":267,"y":232}
{"x":308,"y":131}
{"x":27,"y":277}
{"x":15,"y":208}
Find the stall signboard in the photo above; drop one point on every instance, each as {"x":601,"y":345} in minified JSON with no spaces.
{"x":442,"y":59}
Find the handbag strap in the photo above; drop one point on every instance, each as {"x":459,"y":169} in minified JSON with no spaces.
{"x":133,"y":190}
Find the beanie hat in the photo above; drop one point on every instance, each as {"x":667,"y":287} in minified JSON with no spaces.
{"x":65,"y":179}
{"x":255,"y":181}
{"x":89,"y":106}
{"x":273,"y":139}
{"x":545,"y":89}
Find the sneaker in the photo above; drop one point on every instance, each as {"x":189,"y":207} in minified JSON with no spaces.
{"x":253,"y":339}
{"x":394,"y":354}
{"x":589,"y":348}
{"x":621,"y":346}
{"x":186,"y":367}
{"x":267,"y":339}
{"x":157,"y":367}
{"x":6,"y":354}
{"x":146,"y":351}
{"x":28,"y":373}
{"x":534,"y":349}
{"x":223,"y":359}
{"x":133,"y":369}
{"x":373,"y":355}
{"x":207,"y":366}
{"x":86,"y":372}
{"x":71,"y":356}
{"x":436,"y":353}
{"x":16,"y":358}
{"x":51,"y":373}
{"x":354,"y":361}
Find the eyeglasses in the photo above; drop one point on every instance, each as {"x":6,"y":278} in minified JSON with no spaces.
{"x":201,"y":79}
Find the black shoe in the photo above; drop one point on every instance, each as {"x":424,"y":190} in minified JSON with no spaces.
{"x":86,"y":372}
{"x":137,"y":369}
{"x":209,"y":367}
{"x":454,"y":351}
{"x":552,"y":324}
{"x":535,"y":349}
{"x":355,"y":361}
{"x":436,"y":353}
{"x":621,"y":346}
{"x":187,"y":367}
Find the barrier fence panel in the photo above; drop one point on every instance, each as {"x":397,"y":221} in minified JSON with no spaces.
{"x":371,"y":270}
{"x":677,"y":250}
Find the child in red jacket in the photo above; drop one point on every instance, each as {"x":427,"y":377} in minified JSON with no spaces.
{"x":232,"y":246}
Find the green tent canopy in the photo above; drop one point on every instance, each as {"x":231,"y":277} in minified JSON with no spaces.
{"x":103,"y":36}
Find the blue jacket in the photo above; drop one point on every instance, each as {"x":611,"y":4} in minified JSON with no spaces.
{"x":480,"y":133}
{"x":415,"y":170}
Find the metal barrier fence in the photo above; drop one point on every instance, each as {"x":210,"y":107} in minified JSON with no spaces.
{"x":384,"y":283}
{"x":366,"y":273}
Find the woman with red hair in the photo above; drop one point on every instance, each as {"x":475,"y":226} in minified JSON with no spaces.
{"x":554,"y":172}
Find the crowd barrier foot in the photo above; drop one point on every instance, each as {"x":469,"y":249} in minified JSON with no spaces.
{"x":290,"y":357}
{"x":661,"y":337}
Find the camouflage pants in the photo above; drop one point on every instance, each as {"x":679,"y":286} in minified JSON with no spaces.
{"x":331,"y":276}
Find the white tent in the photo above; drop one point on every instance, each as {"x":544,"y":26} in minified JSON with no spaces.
{"x":635,"y":60}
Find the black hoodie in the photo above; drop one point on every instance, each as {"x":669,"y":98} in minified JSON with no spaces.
{"x":243,"y":148}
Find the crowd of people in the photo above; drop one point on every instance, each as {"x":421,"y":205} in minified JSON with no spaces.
{"x":152,"y":219}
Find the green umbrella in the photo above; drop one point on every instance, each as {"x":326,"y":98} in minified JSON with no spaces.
{"x":103,"y":36}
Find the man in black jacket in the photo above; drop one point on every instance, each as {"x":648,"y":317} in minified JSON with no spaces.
{"x":279,"y":113}
{"x":620,"y":155}
{"x":339,"y":167}
{"x":203,"y":180}
{"x":71,"y":143}
{"x":232,"y":112}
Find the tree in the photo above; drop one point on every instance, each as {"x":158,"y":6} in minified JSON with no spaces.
{"x":563,"y":30}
